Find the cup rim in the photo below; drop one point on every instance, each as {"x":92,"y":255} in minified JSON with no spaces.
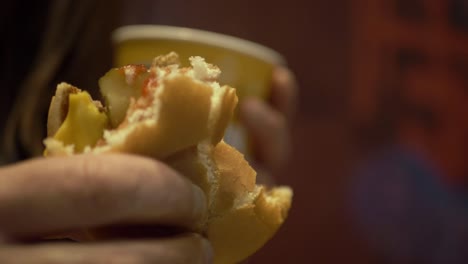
{"x":131,"y":32}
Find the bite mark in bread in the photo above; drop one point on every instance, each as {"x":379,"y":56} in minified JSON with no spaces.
{"x":179,"y":115}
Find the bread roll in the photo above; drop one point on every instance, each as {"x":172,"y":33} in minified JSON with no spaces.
{"x":177,"y":115}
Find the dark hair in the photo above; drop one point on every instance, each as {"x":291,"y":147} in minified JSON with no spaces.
{"x":74,"y":47}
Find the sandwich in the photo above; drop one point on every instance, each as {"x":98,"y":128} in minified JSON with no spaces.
{"x":177,"y":115}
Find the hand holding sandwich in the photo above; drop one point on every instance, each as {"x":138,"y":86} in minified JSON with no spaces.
{"x":60,"y":195}
{"x":64,"y":194}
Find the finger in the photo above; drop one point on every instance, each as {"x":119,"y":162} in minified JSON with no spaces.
{"x":284,"y":91}
{"x":46,"y":195}
{"x":269,"y":131}
{"x":123,"y":232}
{"x":183,"y":249}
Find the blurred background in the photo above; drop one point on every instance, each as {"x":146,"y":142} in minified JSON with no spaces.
{"x":373,"y":75}
{"x":315,"y":38}
{"x":380,"y":160}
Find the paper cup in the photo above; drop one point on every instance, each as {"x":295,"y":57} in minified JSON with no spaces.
{"x":245,"y":65}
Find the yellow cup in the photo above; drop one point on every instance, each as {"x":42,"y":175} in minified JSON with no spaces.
{"x":246,"y":65}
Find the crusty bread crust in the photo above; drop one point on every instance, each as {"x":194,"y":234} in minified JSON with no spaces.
{"x":245,"y":215}
{"x":186,"y":133}
{"x":58,"y":107}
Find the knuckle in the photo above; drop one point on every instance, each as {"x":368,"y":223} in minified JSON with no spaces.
{"x":113,"y":188}
{"x":290,"y":81}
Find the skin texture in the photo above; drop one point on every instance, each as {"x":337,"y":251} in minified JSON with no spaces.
{"x":68,"y":194}
{"x":268,"y":123}
{"x":56,"y":196}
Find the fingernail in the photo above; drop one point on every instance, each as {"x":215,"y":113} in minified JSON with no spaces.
{"x":283,"y":75}
{"x":208,"y":251}
{"x":200,"y":206}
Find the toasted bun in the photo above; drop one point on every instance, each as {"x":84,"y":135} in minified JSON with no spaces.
{"x":179,"y":115}
{"x":59,"y":107}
